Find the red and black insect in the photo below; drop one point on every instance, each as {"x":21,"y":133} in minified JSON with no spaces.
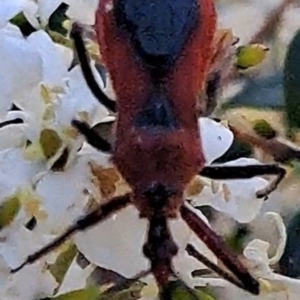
{"x":158,"y":54}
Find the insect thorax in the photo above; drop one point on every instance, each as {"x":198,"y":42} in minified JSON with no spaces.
{"x":157,"y":31}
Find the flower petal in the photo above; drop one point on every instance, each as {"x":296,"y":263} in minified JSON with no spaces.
{"x":15,"y":171}
{"x":12,"y":136}
{"x":82,"y":10}
{"x":24,"y":285}
{"x":275,"y":219}
{"x":55,"y":68}
{"x":25,"y":74}
{"x":9,"y":9}
{"x":79,"y":99}
{"x":76,"y":278}
{"x":216,"y":139}
{"x":123,"y":235}
{"x":237,"y":198}
{"x":30,"y":13}
{"x":46,"y":8}
{"x":62,"y":196}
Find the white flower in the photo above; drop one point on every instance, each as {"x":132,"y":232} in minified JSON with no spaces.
{"x":15,"y":172}
{"x":17,"y":75}
{"x":36,"y":12}
{"x":8,"y":9}
{"x":272,"y":286}
{"x":16,"y":243}
{"x":82,"y":10}
{"x":55,"y":62}
{"x":46,"y":8}
{"x":33,"y":283}
{"x":62,"y":197}
{"x":13,"y":136}
{"x":237,"y":198}
{"x":80,"y":99}
{"x":36,"y":78}
{"x":116,"y":244}
{"x":215,"y":137}
{"x":75,"y":278}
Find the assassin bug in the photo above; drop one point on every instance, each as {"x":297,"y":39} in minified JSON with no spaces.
{"x":158,"y":54}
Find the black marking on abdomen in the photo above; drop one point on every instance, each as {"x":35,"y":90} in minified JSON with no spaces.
{"x":157,"y":114}
{"x":158,"y":29}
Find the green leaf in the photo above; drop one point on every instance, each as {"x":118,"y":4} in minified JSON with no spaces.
{"x":95,"y":293}
{"x":60,"y":39}
{"x":236,"y":239}
{"x":177,"y":290}
{"x":21,"y":21}
{"x":264,"y":129}
{"x":50,"y":142}
{"x":90,"y":293}
{"x":292,"y":83}
{"x":296,"y":168}
{"x":203,"y":295}
{"x":131,"y":292}
{"x":8,"y":211}
{"x":57,"y":18}
{"x":250,"y":55}
{"x":62,"y":263}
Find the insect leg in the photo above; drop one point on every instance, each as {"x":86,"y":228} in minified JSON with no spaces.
{"x":210,"y":94}
{"x":247,"y":171}
{"x":9,"y":122}
{"x":91,"y":136}
{"x":160,"y":249}
{"x":99,"y":214}
{"x":218,"y":247}
{"x":76,"y":35}
{"x":191,"y":250}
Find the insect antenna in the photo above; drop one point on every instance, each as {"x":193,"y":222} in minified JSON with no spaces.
{"x":81,"y":52}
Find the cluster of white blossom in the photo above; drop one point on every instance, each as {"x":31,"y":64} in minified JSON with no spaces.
{"x":35,"y":76}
